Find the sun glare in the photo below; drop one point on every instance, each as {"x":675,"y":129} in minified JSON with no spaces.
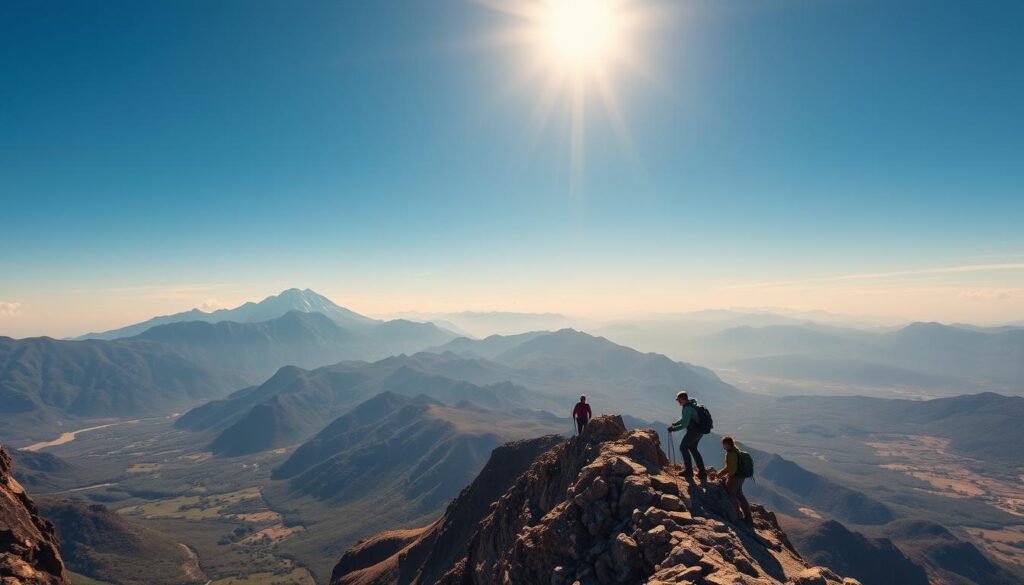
{"x":581,"y":33}
{"x":574,"y":53}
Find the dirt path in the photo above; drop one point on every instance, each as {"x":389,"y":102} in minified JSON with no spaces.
{"x":68,"y":437}
{"x":191,"y":565}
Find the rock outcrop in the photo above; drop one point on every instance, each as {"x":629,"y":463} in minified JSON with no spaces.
{"x":606,"y":508}
{"x":423,"y":555}
{"x":29,"y":553}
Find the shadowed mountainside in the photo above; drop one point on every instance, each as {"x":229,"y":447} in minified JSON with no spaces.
{"x":946,"y":557}
{"x":295,"y":403}
{"x":101,"y":544}
{"x":424,"y":555}
{"x":872,"y":561}
{"x":426,"y":449}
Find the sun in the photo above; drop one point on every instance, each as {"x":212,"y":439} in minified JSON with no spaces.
{"x":581,"y":34}
{"x":574,"y":54}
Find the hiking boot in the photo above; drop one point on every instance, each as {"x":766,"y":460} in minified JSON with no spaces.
{"x":703,"y":476}
{"x":688,"y":474}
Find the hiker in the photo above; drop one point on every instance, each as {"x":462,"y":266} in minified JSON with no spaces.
{"x":582,"y":413}
{"x":690,"y":421}
{"x":738,"y":467}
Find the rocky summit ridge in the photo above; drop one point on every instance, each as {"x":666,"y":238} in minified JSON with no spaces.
{"x":602,"y":508}
{"x":29,"y":553}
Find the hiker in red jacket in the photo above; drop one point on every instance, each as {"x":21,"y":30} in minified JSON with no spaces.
{"x":582,"y":413}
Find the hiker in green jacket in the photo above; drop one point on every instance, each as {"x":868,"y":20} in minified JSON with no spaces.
{"x":689,"y":421}
{"x":730,"y":476}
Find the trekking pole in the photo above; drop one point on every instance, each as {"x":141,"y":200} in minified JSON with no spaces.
{"x":672,"y":449}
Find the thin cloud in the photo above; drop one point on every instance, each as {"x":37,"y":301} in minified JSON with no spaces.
{"x":967,"y":268}
{"x":11,"y":309}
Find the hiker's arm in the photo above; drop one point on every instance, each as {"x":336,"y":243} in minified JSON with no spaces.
{"x":683,"y":422}
{"x":590,"y":413}
{"x":731,"y":463}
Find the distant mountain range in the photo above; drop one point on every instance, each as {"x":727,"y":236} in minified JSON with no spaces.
{"x":614,"y":377}
{"x":296,"y":327}
{"x":482,"y":324}
{"x":256,"y":350}
{"x":538,"y":371}
{"x":940,"y":359}
{"x":305,"y":301}
{"x":174,"y":361}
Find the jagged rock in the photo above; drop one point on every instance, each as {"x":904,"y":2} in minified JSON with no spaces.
{"x":423,"y":555}
{"x":29,"y":553}
{"x":604,"y":508}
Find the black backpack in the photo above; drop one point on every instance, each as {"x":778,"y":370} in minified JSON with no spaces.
{"x":744,"y":464}
{"x":705,"y":424}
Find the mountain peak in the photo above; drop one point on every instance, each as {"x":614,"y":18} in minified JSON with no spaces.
{"x":272,"y":307}
{"x":602,"y":507}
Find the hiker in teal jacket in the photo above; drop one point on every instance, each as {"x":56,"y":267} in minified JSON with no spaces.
{"x":688,"y":421}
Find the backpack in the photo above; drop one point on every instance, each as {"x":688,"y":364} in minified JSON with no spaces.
{"x":744,"y":464}
{"x":705,"y":424}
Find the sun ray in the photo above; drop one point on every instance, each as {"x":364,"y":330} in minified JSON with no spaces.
{"x":576,"y":49}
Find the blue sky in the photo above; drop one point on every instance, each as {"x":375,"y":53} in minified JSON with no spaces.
{"x":858,"y":156}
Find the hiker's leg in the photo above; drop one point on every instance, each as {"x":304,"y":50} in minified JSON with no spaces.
{"x":685,"y":452}
{"x":692,"y":445}
{"x":579,"y":425}
{"x":730,"y":488}
{"x":735,"y":488}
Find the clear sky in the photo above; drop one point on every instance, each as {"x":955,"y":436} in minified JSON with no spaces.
{"x":858,"y":156}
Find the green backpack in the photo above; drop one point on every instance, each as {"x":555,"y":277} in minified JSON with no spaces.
{"x":744,"y":464}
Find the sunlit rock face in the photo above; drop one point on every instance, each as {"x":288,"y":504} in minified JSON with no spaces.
{"x":29,"y":553}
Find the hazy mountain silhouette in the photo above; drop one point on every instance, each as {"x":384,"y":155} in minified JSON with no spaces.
{"x":567,"y":363}
{"x":272,"y":307}
{"x":482,"y":324}
{"x":44,"y":381}
{"x":257,"y":350}
{"x":309,"y":340}
{"x":926,"y":355}
{"x":978,"y":425}
{"x":490,"y":347}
